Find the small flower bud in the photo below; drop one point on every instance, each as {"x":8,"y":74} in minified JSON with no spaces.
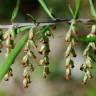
{"x":68,"y":37}
{"x":68,"y":74}
{"x":85,"y":79}
{"x":88,"y":62}
{"x":5,"y":35}
{"x":42,"y":49}
{"x":46,"y":71}
{"x":6,"y":77}
{"x":86,"y":50}
{"x":42,"y":62}
{"x":69,"y":63}
{"x":73,"y":52}
{"x":93,"y":30}
{"x":93,"y":46}
{"x":68,"y":59}
{"x":33,"y":44}
{"x":25,"y":61}
{"x":26,"y":48}
{"x":88,"y":72}
{"x":25,"y":83}
{"x":28,"y":70}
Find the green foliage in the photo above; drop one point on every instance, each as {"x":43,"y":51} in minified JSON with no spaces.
{"x":44,"y":5}
{"x":32,"y":17}
{"x":92,"y":8}
{"x":23,"y":29}
{"x":75,"y":13}
{"x":87,"y":40}
{"x":15,"y":11}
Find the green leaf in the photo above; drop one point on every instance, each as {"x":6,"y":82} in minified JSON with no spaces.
{"x":44,"y":5}
{"x":71,"y":11}
{"x":92,"y":8}
{"x":77,"y":4}
{"x":12,"y":56}
{"x":15,"y":11}
{"x":75,"y":13}
{"x":32,"y":17}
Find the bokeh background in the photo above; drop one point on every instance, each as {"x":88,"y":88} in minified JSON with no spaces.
{"x":54,"y":85}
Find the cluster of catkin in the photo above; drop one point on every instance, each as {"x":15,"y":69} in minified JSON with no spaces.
{"x":87,"y":66}
{"x":27,"y":60}
{"x":44,"y":50}
{"x":70,"y":53}
{"x":9,"y":45}
{"x":45,"y":32}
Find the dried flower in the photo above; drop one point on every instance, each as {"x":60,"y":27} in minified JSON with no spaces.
{"x":27,"y":75}
{"x":87,"y":76}
{"x":26,"y":81}
{"x":8,"y":75}
{"x":25,"y":61}
{"x":44,"y":61}
{"x":45,"y":71}
{"x":67,"y":73}
{"x":68,"y":37}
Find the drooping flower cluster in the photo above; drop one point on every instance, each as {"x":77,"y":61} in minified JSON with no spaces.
{"x":70,"y":52}
{"x":26,"y":62}
{"x":44,"y":50}
{"x":9,"y":40}
{"x":87,"y":66}
{"x":31,"y":45}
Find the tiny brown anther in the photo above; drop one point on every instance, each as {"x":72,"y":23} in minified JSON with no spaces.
{"x":25,"y":64}
{"x":25,"y":50}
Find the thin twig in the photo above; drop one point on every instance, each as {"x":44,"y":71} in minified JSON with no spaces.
{"x":42,"y":23}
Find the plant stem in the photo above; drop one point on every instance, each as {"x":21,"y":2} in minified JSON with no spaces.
{"x":43,"y":23}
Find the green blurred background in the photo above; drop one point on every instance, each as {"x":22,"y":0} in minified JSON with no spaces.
{"x":54,"y":85}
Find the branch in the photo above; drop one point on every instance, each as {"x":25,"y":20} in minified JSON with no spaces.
{"x":43,"y":23}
